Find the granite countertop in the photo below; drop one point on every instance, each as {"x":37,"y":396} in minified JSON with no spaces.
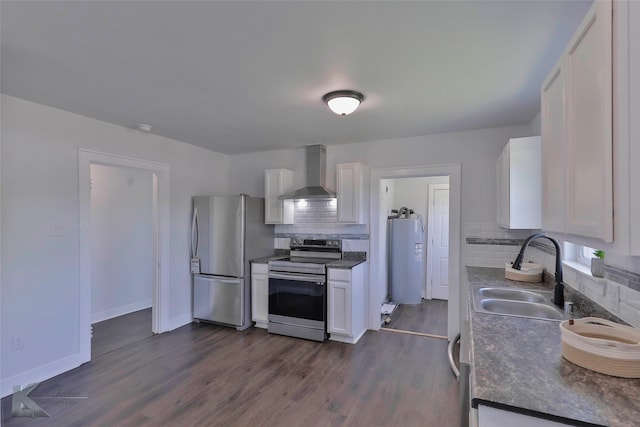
{"x":345,"y":264}
{"x":266,"y":259}
{"x":517,"y":365}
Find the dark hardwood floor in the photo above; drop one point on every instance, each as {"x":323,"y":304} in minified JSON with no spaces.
{"x":207,"y":375}
{"x":120,"y":331}
{"x":430,"y":317}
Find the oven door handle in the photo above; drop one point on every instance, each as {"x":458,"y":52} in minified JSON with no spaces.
{"x":319,"y":280}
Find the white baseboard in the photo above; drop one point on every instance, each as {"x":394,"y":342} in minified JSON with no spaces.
{"x":40,"y":373}
{"x":119,"y":311}
{"x":347,"y":339}
{"x":179,"y":321}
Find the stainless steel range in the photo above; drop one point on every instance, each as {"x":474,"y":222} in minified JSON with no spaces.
{"x":298,"y":289}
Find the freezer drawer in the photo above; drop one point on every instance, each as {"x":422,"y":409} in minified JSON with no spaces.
{"x":218,"y":299}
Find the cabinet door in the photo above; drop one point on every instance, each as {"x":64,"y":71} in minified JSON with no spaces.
{"x":259,"y":295}
{"x":359,"y":301}
{"x":276,"y":183}
{"x":339,"y":307}
{"x":502,"y":175}
{"x":493,"y":417}
{"x":588,"y":82}
{"x":349,"y":192}
{"x":525,"y":182}
{"x":634,"y":125}
{"x":553,"y":136}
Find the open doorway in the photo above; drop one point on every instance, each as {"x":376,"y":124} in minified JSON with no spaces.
{"x":418,"y":302}
{"x":159,"y":175}
{"x":378,"y":270}
{"x":122,"y":256}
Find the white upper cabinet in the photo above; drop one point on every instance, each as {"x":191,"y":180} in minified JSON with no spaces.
{"x":350,"y":193}
{"x":553,"y":136}
{"x":577,"y":133}
{"x":589,"y":95}
{"x":276,"y":183}
{"x":519,"y":184}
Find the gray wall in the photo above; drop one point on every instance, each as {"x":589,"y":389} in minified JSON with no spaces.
{"x":41,"y":234}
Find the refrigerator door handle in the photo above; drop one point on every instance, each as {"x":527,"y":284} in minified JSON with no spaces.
{"x":194,"y":234}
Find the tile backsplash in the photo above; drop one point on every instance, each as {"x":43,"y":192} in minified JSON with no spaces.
{"x":488,"y":245}
{"x":355,"y":238}
{"x":315,"y":211}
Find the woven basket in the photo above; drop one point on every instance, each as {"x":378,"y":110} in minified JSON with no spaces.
{"x":602,"y":346}
{"x":529,"y":272}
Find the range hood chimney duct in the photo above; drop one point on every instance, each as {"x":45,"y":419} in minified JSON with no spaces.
{"x":316,"y":159}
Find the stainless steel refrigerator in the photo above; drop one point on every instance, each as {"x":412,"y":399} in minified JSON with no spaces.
{"x":226,"y":233}
{"x":406,"y":260}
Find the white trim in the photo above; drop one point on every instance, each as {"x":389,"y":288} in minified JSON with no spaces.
{"x":347,"y":339}
{"x":41,"y":373}
{"x":179,"y":321}
{"x":120,"y":311}
{"x":160,"y":312}
{"x":454,"y":171}
{"x":578,"y":267}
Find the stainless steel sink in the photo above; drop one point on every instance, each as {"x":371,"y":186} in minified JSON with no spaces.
{"x":512,"y":294}
{"x":520,"y":308}
{"x":516,"y":302}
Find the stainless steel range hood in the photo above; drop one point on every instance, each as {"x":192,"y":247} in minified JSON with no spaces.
{"x":316,"y":159}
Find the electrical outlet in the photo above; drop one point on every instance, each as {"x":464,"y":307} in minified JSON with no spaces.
{"x":16,"y":342}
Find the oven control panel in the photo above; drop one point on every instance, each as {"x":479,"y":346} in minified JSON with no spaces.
{"x":298,"y":243}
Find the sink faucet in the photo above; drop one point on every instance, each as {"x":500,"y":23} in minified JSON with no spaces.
{"x":558,"y":291}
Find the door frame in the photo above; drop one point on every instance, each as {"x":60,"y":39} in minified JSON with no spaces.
{"x":378,"y":256}
{"x":161,"y":227}
{"x":432,"y":187}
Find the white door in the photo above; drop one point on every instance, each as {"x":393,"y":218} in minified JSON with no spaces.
{"x":438,"y":245}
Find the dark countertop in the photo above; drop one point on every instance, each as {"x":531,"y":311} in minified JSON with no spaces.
{"x":266,"y":259}
{"x":346,"y":264}
{"x":517,"y":365}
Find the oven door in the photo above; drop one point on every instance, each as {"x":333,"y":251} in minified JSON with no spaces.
{"x":299,"y":296}
{"x":298,"y":305}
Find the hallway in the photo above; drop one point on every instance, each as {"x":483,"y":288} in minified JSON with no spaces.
{"x":120,"y":331}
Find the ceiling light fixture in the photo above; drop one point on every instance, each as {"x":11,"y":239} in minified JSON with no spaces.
{"x":343,"y":102}
{"x":144,"y":127}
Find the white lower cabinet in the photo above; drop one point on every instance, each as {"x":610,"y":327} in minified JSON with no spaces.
{"x":260,"y":295}
{"x":492,"y":417}
{"x":346,"y":304}
{"x":634,"y":125}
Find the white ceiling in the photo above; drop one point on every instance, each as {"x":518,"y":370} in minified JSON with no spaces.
{"x":243,"y":76}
